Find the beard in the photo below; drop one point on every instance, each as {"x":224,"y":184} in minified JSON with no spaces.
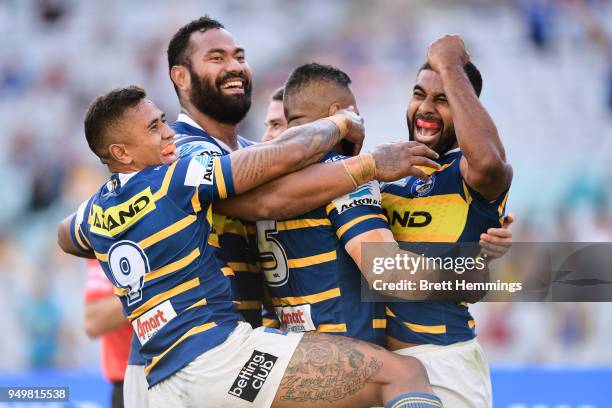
{"x":448,"y":137}
{"x":209,"y":99}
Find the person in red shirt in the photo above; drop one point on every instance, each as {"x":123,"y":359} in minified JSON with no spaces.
{"x":104,"y":318}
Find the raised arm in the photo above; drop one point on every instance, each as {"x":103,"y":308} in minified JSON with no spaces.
{"x":318,"y":184}
{"x":295,"y":149}
{"x":483,"y":165}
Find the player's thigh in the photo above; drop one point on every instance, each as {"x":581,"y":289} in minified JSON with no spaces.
{"x":326,"y":368}
{"x":135,"y":387}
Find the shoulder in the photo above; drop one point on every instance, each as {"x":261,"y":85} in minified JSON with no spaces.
{"x":244,"y":142}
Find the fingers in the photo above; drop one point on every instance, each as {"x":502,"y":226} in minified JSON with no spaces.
{"x":424,"y":161}
{"x":495,"y":251}
{"x":422,"y":150}
{"x":508,"y":220}
{"x":497,"y":236}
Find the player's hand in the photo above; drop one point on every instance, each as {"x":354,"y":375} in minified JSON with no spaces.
{"x":447,"y":50}
{"x":399,"y":159}
{"x":356,"y":130}
{"x":496,"y":242}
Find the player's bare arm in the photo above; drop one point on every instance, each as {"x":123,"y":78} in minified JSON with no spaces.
{"x":483,"y":165}
{"x":103,"y":315}
{"x":318,"y":184}
{"x":293,"y":150}
{"x":354,"y":248}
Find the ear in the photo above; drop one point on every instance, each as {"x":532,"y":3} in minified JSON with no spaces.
{"x":181,"y":77}
{"x":119,"y":153}
{"x":333,"y":108}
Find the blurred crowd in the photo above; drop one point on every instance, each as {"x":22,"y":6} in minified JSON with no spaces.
{"x":547,"y":68}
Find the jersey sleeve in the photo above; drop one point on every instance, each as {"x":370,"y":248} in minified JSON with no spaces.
{"x":210,"y":176}
{"x":77,"y":230}
{"x":357,"y":212}
{"x":494,"y":209}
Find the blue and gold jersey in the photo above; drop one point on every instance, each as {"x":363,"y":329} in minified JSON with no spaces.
{"x":237,"y":253}
{"x":149,"y":230}
{"x":444,"y":210}
{"x":313,"y":281}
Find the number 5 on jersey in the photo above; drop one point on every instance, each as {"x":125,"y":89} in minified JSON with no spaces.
{"x":272,"y":257}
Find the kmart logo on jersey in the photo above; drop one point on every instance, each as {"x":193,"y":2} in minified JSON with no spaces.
{"x":117,"y":219}
{"x":153,"y":321}
{"x":368,"y":194}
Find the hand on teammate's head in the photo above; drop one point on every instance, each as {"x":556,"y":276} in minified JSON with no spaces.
{"x":356,"y":129}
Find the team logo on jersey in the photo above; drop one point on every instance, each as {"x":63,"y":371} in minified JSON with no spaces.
{"x":295,"y":318}
{"x":368,"y":194}
{"x":421,"y":188}
{"x":117,"y":219}
{"x":253,"y":375}
{"x":200,"y":171}
{"x":153,"y":321}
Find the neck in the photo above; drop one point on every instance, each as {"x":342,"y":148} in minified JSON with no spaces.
{"x":227,"y":133}
{"x":122,"y":168}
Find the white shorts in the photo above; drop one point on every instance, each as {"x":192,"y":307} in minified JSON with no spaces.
{"x":135,"y":387}
{"x":458,"y":373}
{"x":243,"y":371}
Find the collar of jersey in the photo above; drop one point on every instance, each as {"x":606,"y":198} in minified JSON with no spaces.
{"x":455,"y":150}
{"x":183,"y":117}
{"x":123,"y":178}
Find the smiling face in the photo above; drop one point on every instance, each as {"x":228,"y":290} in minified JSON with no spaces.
{"x":428,"y":116}
{"x":142,"y":137}
{"x":220,"y":76}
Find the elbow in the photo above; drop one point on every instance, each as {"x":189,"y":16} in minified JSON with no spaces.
{"x":494,"y":172}
{"x":61,"y":239}
{"x":91,"y":329}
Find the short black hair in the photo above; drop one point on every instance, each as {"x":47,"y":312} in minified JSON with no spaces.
{"x":472,"y":73}
{"x":278,"y":94}
{"x":309,"y":73}
{"x":104,"y":111}
{"x":179,"y":44}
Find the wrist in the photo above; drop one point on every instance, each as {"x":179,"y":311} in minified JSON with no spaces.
{"x":361,"y":169}
{"x":341,"y":122}
{"x":450,"y":68}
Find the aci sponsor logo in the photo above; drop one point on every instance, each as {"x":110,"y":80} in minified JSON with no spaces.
{"x":252,"y":376}
{"x":421,"y":188}
{"x":368,"y":194}
{"x":153,"y":321}
{"x":295,"y":318}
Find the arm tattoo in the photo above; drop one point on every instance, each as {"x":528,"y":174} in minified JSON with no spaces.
{"x":297,"y":148}
{"x":327,"y":368}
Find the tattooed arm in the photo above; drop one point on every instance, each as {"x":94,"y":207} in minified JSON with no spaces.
{"x":316,"y":185}
{"x":296,"y":148}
